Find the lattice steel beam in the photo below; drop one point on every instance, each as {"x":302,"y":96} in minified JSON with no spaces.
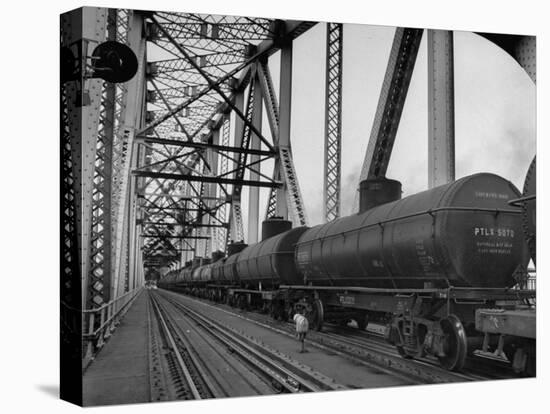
{"x":99,"y":278}
{"x":255,"y":145}
{"x":214,"y":85}
{"x":294,"y":195}
{"x":186,"y":84}
{"x":129,"y":121}
{"x":206,"y":179}
{"x":333,"y":122}
{"x":391,"y":101}
{"x":84,"y":28}
{"x":289,"y":196}
{"x":222,"y":211}
{"x":202,"y":145}
{"x":272,"y":106}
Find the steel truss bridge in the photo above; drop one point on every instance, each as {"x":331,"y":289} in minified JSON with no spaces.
{"x":153,"y":169}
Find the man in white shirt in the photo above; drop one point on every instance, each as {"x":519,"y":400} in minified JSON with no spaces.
{"x":302,"y":326}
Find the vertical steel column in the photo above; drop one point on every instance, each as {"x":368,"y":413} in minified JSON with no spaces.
{"x":190,"y":245}
{"x":212,"y":157}
{"x":222,"y":211}
{"x":285,"y":109}
{"x":133,"y":233}
{"x":87,"y":27}
{"x":99,"y":278}
{"x":139,"y":185}
{"x":236,"y":231}
{"x":80,"y":104}
{"x":71,"y":152}
{"x":289,"y":196}
{"x":333,"y":122}
{"x":130,"y":118}
{"x":255,"y":143}
{"x":441,"y":113}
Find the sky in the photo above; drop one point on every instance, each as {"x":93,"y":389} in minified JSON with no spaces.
{"x":495,"y":116}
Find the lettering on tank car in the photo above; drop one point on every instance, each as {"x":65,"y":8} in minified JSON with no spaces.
{"x":346,"y":300}
{"x":377,"y":263}
{"x":494,"y":247}
{"x":401,"y":306}
{"x":494,"y":232}
{"x":425,"y":260}
{"x":491,"y":195}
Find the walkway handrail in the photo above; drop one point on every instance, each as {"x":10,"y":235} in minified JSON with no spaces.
{"x":106,"y":313}
{"x":98,"y":323}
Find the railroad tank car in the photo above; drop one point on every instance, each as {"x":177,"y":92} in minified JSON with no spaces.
{"x":205,"y":273}
{"x":228,"y":271}
{"x":460,"y":234}
{"x":270,"y":262}
{"x":227,"y":274}
{"x":196,"y":274}
{"x":529,"y":209}
{"x":217,"y":271}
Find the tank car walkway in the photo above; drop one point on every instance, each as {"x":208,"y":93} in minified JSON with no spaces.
{"x":119,"y":373}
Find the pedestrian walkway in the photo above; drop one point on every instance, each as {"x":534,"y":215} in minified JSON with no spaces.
{"x":119,"y":373}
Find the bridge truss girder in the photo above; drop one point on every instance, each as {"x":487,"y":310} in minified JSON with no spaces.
{"x":197,"y":99}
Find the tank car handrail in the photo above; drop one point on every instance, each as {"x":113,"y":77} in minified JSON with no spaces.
{"x":420,"y":213}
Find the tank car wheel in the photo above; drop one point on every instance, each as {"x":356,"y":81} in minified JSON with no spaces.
{"x":455,"y":344}
{"x":241,"y":302}
{"x":287,"y":315}
{"x":273,"y":312}
{"x":317,"y":315}
{"x":403,"y":352}
{"x":362,"y":321}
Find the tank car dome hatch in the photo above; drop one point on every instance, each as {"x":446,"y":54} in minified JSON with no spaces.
{"x":460,"y":234}
{"x":217,"y":255}
{"x":196,"y":261}
{"x":235,"y":247}
{"x":377,"y":191}
{"x":273,"y":226}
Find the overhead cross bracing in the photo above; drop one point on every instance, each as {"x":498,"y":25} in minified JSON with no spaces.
{"x":206,"y":82}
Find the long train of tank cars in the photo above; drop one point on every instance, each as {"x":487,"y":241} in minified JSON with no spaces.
{"x":434,"y":267}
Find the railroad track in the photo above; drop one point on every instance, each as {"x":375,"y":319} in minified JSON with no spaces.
{"x":371,"y":350}
{"x":187,"y":378}
{"x":275,"y":368}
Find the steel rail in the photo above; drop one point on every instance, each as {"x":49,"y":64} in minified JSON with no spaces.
{"x":263,"y":358}
{"x":198,"y":366}
{"x":192,"y":387}
{"x":368,"y":352}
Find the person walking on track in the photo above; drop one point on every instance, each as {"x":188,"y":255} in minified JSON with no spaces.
{"x":302,"y":327}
